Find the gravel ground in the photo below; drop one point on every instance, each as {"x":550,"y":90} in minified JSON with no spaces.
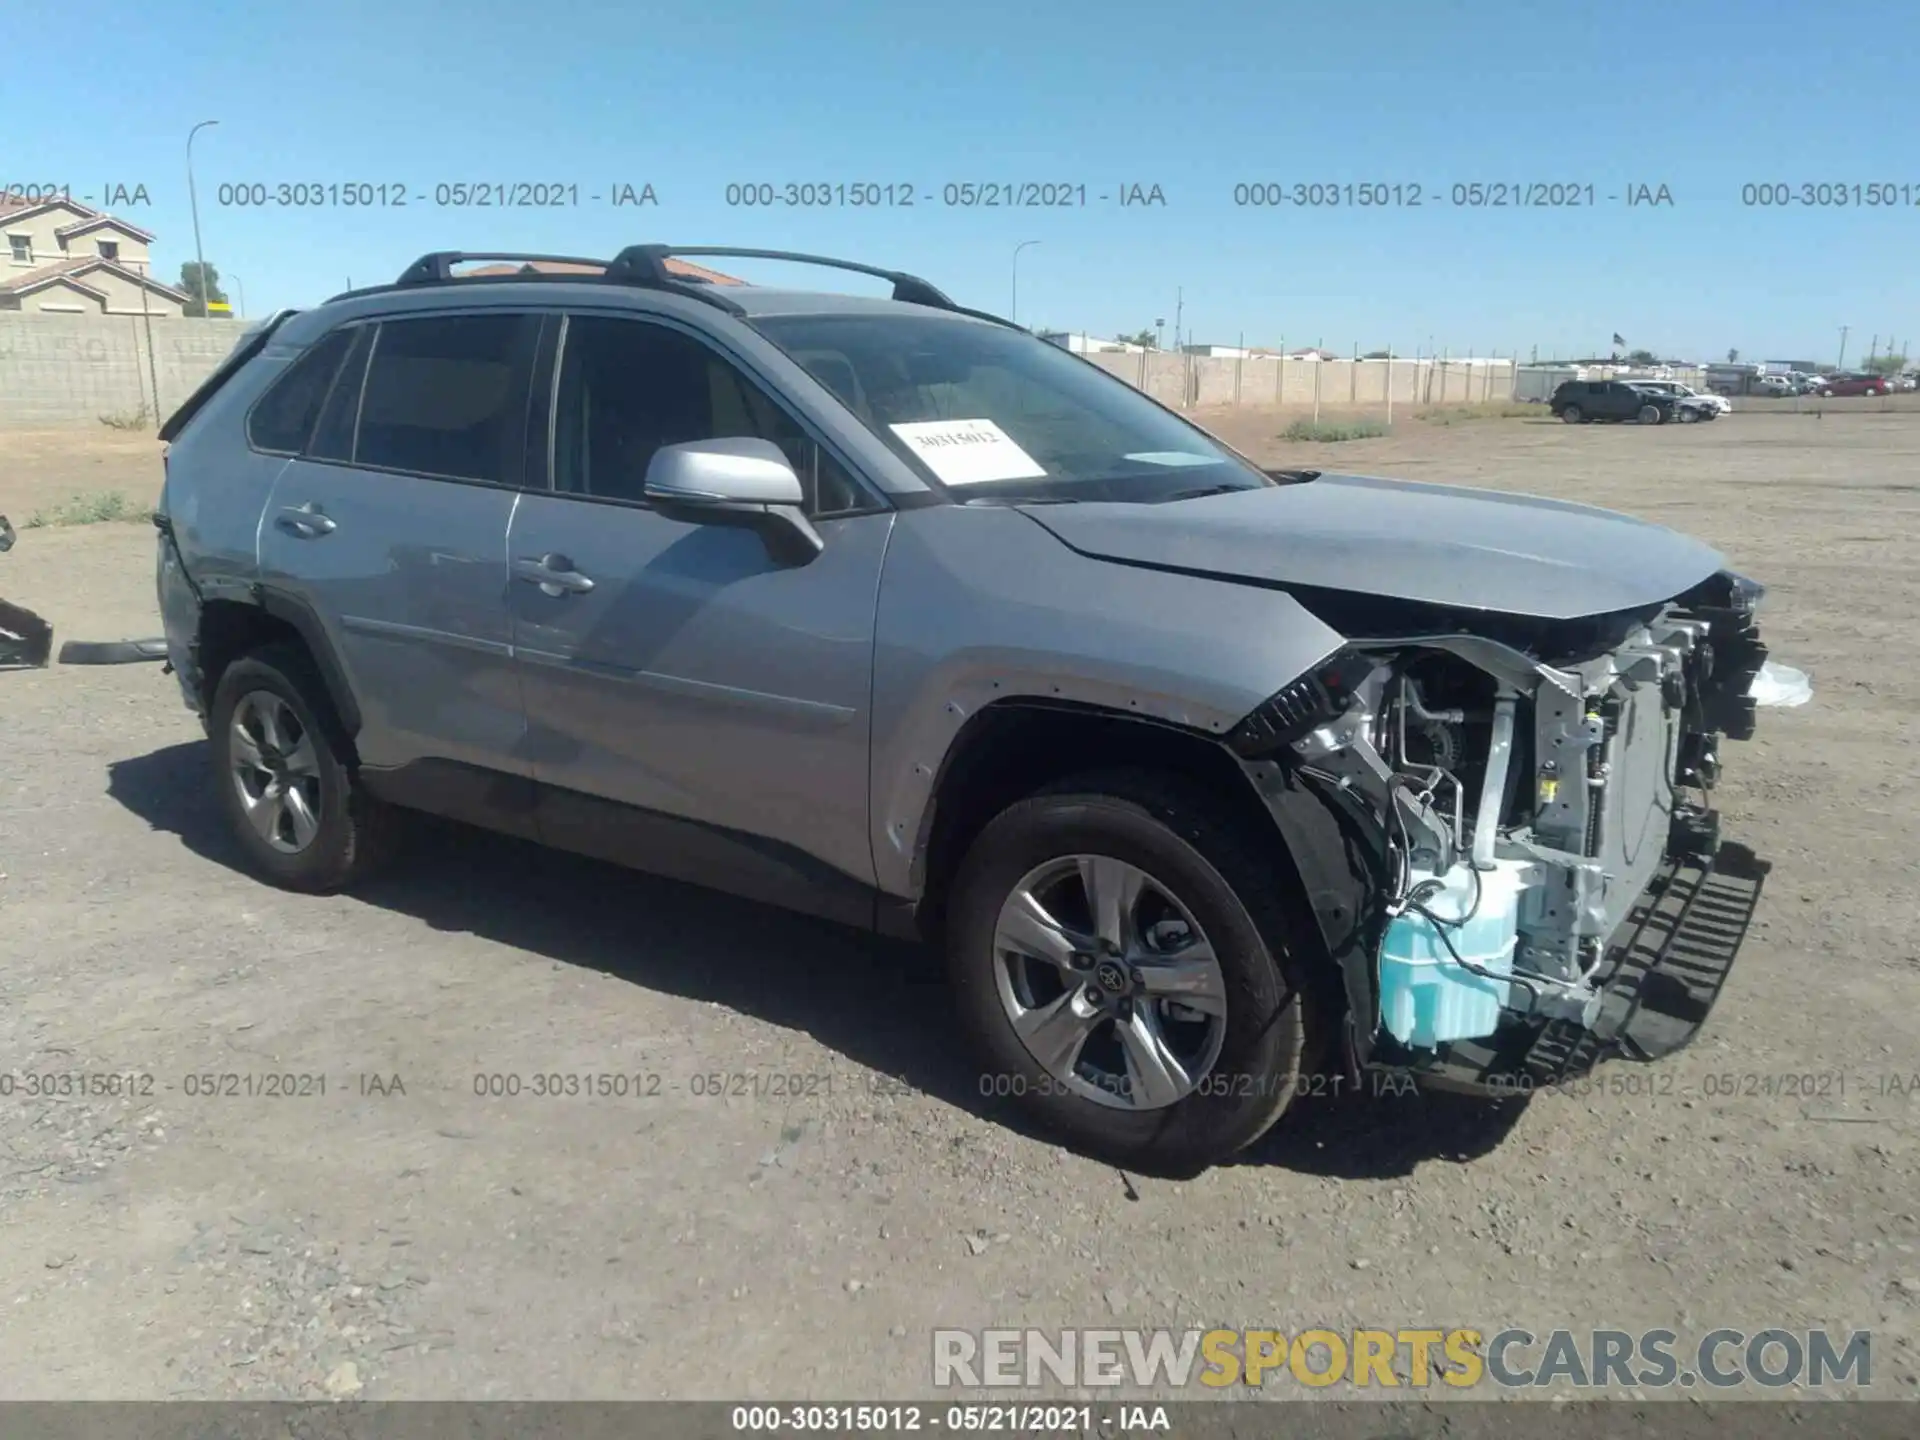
{"x":403,"y":1235}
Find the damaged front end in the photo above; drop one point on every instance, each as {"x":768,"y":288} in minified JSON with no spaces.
{"x":1534,"y":878}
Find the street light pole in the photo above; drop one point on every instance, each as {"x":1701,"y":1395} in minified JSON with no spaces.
{"x":193,"y":203}
{"x":1014,"y":309}
{"x":1841,"y":363}
{"x":240,"y":286}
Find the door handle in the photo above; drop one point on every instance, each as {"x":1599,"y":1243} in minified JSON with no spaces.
{"x":307,"y":521}
{"x":554,"y":574}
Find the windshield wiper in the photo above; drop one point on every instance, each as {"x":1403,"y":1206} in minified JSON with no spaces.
{"x":1203,"y":492}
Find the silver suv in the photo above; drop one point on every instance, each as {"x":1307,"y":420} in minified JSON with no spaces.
{"x":1217,"y":784}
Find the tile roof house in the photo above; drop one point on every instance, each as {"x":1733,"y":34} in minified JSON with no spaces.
{"x":65,"y":257}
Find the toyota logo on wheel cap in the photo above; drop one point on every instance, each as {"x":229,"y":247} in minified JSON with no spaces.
{"x":1111,"y":976}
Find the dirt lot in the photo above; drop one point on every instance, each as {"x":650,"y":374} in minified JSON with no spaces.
{"x":402,"y":1237}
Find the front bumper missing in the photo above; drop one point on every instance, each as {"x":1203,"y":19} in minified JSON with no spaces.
{"x":1664,"y":969}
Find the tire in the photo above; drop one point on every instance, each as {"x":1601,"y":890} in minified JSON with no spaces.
{"x":1571,"y":415}
{"x":1688,"y":417}
{"x":1649,"y":415}
{"x":1826,"y":394}
{"x":1241,"y":1064}
{"x":305,"y":764}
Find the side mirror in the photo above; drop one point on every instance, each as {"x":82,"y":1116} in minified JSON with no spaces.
{"x":748,"y":483}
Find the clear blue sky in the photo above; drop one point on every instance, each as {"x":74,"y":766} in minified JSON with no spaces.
{"x":1195,"y":97}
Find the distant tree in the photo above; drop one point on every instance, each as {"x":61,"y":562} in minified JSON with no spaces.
{"x":1733,"y":357}
{"x":1144,"y":340}
{"x":1376,"y":355}
{"x":1642,"y":357}
{"x":200,"y":289}
{"x":1885,"y":364}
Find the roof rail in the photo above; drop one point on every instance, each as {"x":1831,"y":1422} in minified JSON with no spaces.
{"x":437,"y":265}
{"x":649,"y":261}
{"x":646,"y":265}
{"x":436,"y":268}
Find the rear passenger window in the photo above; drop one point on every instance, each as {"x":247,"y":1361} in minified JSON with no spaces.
{"x":333,"y":436}
{"x":283,"y":418}
{"x":448,"y":396}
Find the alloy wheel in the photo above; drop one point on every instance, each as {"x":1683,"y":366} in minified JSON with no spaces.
{"x":1109,"y":982}
{"x":276,"y":771}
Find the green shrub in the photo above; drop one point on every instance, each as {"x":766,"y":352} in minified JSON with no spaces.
{"x":86,"y":510}
{"x":1327,"y":431}
{"x":1499,"y":410}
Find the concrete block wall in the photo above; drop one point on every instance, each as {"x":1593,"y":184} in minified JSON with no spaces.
{"x":1196,"y":380}
{"x":60,"y":370}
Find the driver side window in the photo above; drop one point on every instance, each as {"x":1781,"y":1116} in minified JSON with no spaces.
{"x":628,"y":387}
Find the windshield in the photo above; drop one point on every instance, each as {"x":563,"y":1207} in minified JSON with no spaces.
{"x":995,"y":414}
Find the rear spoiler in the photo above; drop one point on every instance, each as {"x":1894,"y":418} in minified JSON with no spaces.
{"x":251,"y":342}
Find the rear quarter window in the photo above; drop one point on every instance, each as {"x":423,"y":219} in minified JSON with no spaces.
{"x":282,"y":420}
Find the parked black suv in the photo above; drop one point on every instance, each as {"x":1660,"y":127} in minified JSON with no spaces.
{"x":1578,"y":401}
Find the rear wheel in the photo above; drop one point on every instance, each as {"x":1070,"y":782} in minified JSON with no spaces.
{"x":283,"y":767}
{"x":1121,"y":958}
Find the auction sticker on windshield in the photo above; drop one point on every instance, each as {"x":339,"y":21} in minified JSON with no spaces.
{"x":969,"y":452}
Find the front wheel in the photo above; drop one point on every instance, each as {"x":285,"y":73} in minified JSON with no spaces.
{"x":1571,"y":415}
{"x":1688,"y":417}
{"x":1120,"y":955}
{"x":1649,"y":415}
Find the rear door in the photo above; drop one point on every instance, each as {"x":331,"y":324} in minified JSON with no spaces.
{"x":390,"y":530}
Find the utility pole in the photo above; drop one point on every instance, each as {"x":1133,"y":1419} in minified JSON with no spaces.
{"x":193,"y":203}
{"x":1013,"y":313}
{"x":1179,"y":305}
{"x":153,"y":369}
{"x":1841,"y":363}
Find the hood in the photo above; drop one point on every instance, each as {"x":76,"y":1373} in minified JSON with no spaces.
{"x":1437,"y":544}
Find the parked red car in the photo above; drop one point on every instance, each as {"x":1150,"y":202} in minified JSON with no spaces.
{"x":1855,"y":385}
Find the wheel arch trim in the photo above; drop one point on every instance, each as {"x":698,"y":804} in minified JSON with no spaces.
{"x":305,"y":621}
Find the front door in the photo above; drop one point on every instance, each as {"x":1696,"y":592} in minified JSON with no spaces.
{"x":391,"y":529}
{"x":694,"y":706}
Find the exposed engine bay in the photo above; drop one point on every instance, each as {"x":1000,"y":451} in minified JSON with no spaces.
{"x":1529,"y":784}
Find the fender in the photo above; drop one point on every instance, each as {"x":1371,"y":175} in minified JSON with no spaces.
{"x":305,"y":620}
{"x":980,"y":604}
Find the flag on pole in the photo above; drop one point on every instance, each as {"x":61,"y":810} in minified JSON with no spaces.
{"x":1618,"y":339}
